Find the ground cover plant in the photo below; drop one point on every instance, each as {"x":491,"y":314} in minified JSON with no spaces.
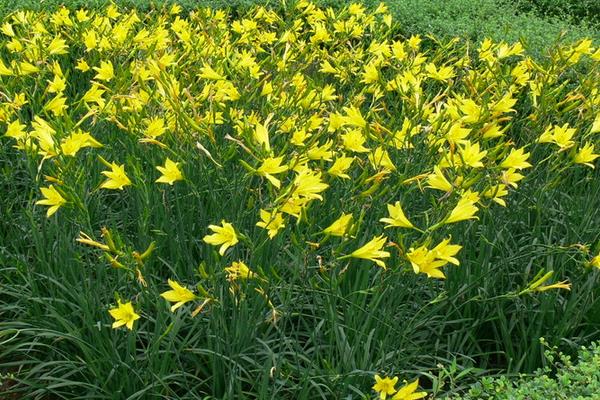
{"x":568,"y":380}
{"x":291,"y":204}
{"x":586,"y":10}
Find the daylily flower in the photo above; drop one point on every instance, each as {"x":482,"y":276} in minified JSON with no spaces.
{"x":52,"y":198}
{"x":117,"y":178}
{"x":170,"y":172}
{"x":224,"y":235}
{"x":123,"y":314}
{"x":372,"y":251}
{"x":178,"y":295}
{"x":385,"y":386}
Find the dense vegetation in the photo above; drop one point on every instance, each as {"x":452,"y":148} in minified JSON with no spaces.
{"x":563,"y":379}
{"x":538,"y":23}
{"x":297,"y":202}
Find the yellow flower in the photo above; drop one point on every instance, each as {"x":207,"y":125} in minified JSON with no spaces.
{"x":336,"y":121}
{"x":112,"y":11}
{"x":465,"y":209}
{"x":238,"y":270}
{"x":353,"y":117}
{"x":370,"y":74}
{"x":224,"y":235}
{"x":90,"y":40}
{"x":273,"y":222}
{"x":586,"y":155}
{"x":397,"y":217}
{"x":596,"y":123}
{"x":272,"y":166}
{"x":19,"y":100}
{"x":504,"y":105}
{"x":207,"y":72}
{"x":16,"y":130}
{"x":76,"y":141}
{"x":471,"y":111}
{"x":516,"y":159}
{"x":327,"y":68}
{"x":496,"y":192}
{"x":267,"y":89}
{"x":82,"y":66}
{"x":353,"y":140}
{"x":299,"y":137}
{"x":492,"y":130}
{"x":414,"y":41}
{"x":398,"y":50}
{"x":356,"y":9}
{"x":322,"y":152}
{"x":559,"y":135}
{"x":308,"y":184}
{"x":124,"y":314}
{"x":510,"y":177}
{"x":340,"y":166}
{"x":294,"y":205}
{"x":155,"y":128}
{"x":178,"y":295}
{"x":44,"y":133}
{"x":4,"y":70}
{"x":505,"y":51}
{"x":57,"y":105}
{"x":407,"y":392}
{"x":82,"y":15}
{"x":471,"y":155}
{"x":446,"y":251}
{"x":385,"y":386}
{"x":540,"y":279}
{"x":401,"y":138}
{"x":117,"y":178}
{"x":380,"y":158}
{"x":595,"y":262}
{"x":57,"y":85}
{"x":57,"y":46}
{"x":442,"y":74}
{"x":27,"y":68}
{"x":320,"y":34}
{"x":381,"y":9}
{"x":437,"y":180}
{"x":94,"y":95}
{"x":424,"y":261}
{"x":52,"y":198}
{"x":372,"y":251}
{"x":340,"y":226}
{"x":261,"y":135}
{"x":105,"y":72}
{"x":457,"y":134}
{"x":559,"y":285}
{"x":7,"y":29}
{"x":170,"y":172}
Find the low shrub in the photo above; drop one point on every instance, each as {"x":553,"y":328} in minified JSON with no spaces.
{"x":563,"y":379}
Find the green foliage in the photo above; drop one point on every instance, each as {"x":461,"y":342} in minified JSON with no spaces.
{"x":478,"y":19}
{"x":564,"y":380}
{"x":335,"y":327}
{"x":575,"y":10}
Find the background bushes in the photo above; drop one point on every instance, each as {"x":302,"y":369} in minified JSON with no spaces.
{"x":579,"y":380}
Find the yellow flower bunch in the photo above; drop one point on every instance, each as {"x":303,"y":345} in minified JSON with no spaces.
{"x":287,"y":120}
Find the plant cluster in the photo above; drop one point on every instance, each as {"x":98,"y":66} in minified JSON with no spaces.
{"x":196,"y":164}
{"x":566,"y":380}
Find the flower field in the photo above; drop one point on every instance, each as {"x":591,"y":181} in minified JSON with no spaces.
{"x":296,"y":203}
